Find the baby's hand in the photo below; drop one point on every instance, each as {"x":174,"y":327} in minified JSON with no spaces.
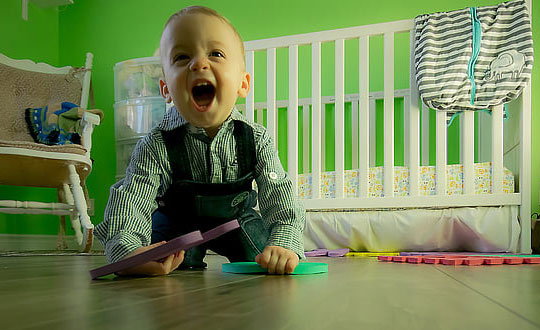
{"x":277,"y":260}
{"x":154,"y":268}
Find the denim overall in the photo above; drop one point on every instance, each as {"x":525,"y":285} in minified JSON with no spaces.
{"x":190,"y":205}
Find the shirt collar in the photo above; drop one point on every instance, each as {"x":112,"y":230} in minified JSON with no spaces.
{"x":173,"y":119}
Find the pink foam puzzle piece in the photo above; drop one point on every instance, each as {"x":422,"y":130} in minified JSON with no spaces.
{"x":473,"y":261}
{"x":452,"y":261}
{"x":384,"y":258}
{"x":415,"y":259}
{"x":433,"y":259}
{"x":399,"y":258}
{"x":531,"y":260}
{"x":183,"y":242}
{"x":513,"y":261}
{"x":460,"y":259}
{"x":493,"y":261}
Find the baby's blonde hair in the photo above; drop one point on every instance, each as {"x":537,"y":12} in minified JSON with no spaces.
{"x":211,"y":12}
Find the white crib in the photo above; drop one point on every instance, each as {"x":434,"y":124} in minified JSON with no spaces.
{"x":342,"y":221}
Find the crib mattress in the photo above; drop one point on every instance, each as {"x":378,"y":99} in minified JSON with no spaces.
{"x":476,"y":229}
{"x":454,"y":175}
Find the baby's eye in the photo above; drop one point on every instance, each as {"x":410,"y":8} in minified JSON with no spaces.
{"x":181,"y":57}
{"x":217,"y":54}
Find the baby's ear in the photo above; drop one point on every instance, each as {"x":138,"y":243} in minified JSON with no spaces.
{"x":244,"y":85}
{"x":165,"y":91}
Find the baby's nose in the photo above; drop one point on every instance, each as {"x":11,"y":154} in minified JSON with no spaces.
{"x":199,"y":63}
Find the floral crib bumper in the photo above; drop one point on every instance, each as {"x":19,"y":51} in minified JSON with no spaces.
{"x":454,"y":176}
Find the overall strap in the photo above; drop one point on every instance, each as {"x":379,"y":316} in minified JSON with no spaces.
{"x":177,"y":153}
{"x":245,"y":148}
{"x":179,"y":158}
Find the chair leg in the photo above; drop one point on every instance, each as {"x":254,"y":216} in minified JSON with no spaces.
{"x":81,"y":206}
{"x":87,"y":197}
{"x":74,"y":217}
{"x":61,"y":239}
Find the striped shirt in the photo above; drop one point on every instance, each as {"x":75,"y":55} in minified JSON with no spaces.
{"x":127,"y":222}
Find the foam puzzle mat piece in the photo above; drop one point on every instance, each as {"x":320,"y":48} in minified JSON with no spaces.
{"x":325,"y":252}
{"x":415,"y":260}
{"x":452,"y":261}
{"x":470,"y":254}
{"x":432,"y":260}
{"x":399,"y":259}
{"x":455,"y":259}
{"x":316,"y":253}
{"x":493,"y":261}
{"x":183,"y":242}
{"x":473,"y":261}
{"x":303,"y":268}
{"x":180,"y":243}
{"x":513,"y":261}
{"x":337,"y":252}
{"x":532,"y":260}
{"x":219,"y":230}
{"x":371,"y":254}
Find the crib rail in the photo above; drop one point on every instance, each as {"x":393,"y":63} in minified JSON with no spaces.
{"x":416,"y":125}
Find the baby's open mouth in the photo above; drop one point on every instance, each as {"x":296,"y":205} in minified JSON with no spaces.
{"x":203,"y":93}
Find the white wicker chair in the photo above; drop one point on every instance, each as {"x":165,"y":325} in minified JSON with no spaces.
{"x":25,"y":84}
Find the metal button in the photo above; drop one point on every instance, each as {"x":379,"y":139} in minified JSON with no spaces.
{"x":273,"y":175}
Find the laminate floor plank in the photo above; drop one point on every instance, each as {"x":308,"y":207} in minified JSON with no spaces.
{"x":517,"y":287}
{"x":55,"y":292}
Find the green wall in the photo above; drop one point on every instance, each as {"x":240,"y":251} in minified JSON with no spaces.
{"x":35,"y":39}
{"x":116,"y":30}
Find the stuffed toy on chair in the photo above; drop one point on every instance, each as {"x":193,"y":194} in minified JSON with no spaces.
{"x":56,"y":123}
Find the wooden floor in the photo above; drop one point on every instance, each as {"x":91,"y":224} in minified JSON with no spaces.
{"x":55,"y":292}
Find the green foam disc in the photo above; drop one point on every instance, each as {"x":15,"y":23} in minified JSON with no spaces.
{"x":303,"y":268}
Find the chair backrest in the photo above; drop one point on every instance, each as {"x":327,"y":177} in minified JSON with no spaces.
{"x":26,"y":84}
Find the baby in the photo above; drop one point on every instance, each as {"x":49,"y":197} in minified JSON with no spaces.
{"x":195,"y":170}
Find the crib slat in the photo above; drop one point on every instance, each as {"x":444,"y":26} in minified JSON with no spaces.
{"x":389,"y":114}
{"x":373,"y":132}
{"x":271,"y":110}
{"x":467,"y":151}
{"x":354,"y":133}
{"x":323,"y":135}
{"x":250,"y":99}
{"x":440,"y":146}
{"x":413,"y":161}
{"x":525,"y":167}
{"x":406,"y":129}
{"x":413,"y":125}
{"x":260,"y":116}
{"x":366,"y":132}
{"x":305,"y":145}
{"x":497,"y":149}
{"x":340,"y":116}
{"x":484,"y":145}
{"x":292,"y":117}
{"x":316,"y":120}
{"x":425,"y":135}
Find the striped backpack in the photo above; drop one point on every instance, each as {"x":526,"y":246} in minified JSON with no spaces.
{"x":473,"y":58}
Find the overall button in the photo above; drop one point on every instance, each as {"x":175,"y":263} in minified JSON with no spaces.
{"x":239,"y":198}
{"x":273,"y":175}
